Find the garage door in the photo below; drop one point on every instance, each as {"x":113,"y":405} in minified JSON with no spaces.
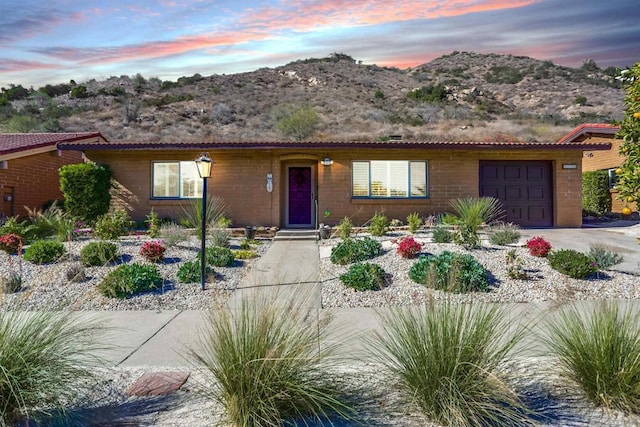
{"x":523,"y":187}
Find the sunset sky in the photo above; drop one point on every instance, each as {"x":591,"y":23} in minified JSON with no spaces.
{"x":45,"y":41}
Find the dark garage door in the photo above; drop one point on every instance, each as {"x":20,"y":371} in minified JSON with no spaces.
{"x":523,"y":187}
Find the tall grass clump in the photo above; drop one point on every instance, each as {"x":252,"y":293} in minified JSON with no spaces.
{"x":267,"y":368}
{"x":470,"y":214}
{"x":599,"y":352}
{"x":45,"y":361}
{"x":448,"y":357}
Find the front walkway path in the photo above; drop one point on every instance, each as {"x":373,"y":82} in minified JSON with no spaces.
{"x":288,"y":268}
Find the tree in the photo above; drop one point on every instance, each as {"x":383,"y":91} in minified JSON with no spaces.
{"x":297,"y":123}
{"x":628,"y":185}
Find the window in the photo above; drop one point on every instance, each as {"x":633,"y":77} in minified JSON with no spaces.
{"x":389,"y":179}
{"x":176,"y":180}
{"x":613,"y":178}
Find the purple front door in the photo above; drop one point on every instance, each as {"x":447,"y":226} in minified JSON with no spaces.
{"x":300,"y":196}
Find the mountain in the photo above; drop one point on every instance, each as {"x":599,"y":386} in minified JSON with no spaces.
{"x":460,"y":96}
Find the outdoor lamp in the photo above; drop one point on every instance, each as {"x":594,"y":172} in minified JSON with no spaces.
{"x":203,"y":163}
{"x":326,"y":161}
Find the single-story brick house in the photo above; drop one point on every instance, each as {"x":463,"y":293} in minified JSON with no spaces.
{"x":29,"y":164}
{"x":301,"y":184}
{"x":607,"y":160}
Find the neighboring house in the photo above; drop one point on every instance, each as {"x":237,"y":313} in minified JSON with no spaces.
{"x":29,"y":164}
{"x":301,"y":184}
{"x":607,"y":160}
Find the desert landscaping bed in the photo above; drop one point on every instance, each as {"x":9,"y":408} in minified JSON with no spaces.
{"x":45,"y":287}
{"x":543,"y":282}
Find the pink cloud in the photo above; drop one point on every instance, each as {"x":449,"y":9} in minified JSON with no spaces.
{"x":11,"y":65}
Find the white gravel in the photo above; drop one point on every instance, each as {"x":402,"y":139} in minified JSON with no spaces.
{"x":543,"y":284}
{"x":45,"y":287}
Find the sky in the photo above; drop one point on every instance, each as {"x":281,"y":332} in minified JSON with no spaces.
{"x":54,"y":41}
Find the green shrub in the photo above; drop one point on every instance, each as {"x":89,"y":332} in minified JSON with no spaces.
{"x":604,"y":257}
{"x":503,"y":74}
{"x":596,"y":198}
{"x":378,"y":225}
{"x":13,"y":225}
{"x":85,"y":187}
{"x":267,"y":369}
{"x":46,"y":360}
{"x":414,"y":221}
{"x":44,"y":251}
{"x":190,"y":271}
{"x":113,"y":225}
{"x":219,"y":256}
{"x":130,"y":279}
{"x":598,"y":351}
{"x":99,"y":253}
{"x":504,"y":234}
{"x":451,"y":272}
{"x":244,"y":254}
{"x":153,"y":223}
{"x":449,"y":358}
{"x":441,"y":234}
{"x":572,"y":263}
{"x":345,"y":227}
{"x":364,"y":277}
{"x":355,"y":250}
{"x":219,"y":237}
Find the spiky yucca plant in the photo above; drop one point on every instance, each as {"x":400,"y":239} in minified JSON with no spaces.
{"x":470,"y":214}
{"x":216,"y":208}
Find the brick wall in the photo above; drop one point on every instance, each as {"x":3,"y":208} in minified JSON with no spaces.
{"x":239,"y":177}
{"x":34,"y":179}
{"x":599,"y":160}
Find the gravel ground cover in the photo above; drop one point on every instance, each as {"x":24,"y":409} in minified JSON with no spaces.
{"x":543,"y":283}
{"x":45,"y":287}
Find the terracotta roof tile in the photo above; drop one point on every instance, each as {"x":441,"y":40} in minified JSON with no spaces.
{"x":15,"y":142}
{"x":584,"y":130}
{"x":133,"y":145}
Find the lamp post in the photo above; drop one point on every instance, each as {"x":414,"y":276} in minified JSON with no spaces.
{"x":203,"y":163}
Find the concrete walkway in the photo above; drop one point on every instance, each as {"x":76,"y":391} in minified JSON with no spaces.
{"x":162,"y":338}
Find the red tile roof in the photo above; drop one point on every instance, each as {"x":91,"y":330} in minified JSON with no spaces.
{"x":586,"y":130}
{"x":16,"y":142}
{"x":132,"y":145}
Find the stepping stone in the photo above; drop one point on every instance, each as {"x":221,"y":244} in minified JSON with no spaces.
{"x":157,"y":383}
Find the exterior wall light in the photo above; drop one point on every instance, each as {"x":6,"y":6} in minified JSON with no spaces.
{"x":326,"y":161}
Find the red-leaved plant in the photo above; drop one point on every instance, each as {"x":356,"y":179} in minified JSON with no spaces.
{"x":408,"y":247}
{"x":10,"y":243}
{"x":153,"y":251}
{"x":538,"y":246}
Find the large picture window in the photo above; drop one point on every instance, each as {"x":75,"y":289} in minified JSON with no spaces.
{"x":176,"y":180}
{"x":389,"y":179}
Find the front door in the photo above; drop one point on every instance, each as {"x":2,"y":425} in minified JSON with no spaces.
{"x":300,"y":200}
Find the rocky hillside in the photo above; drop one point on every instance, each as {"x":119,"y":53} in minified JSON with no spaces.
{"x":461,"y":96}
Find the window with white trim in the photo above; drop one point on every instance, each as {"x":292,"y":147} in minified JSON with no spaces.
{"x":389,"y":179}
{"x":176,"y":180}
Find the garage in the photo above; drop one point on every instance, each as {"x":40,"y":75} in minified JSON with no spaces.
{"x":523,"y":187}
